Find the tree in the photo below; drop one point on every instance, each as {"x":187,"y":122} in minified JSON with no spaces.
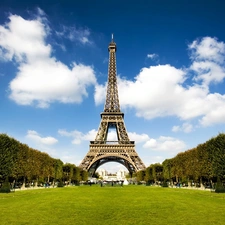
{"x":141,"y":175}
{"x":84,"y":175}
{"x":8,"y":153}
{"x":157,"y":172}
{"x":204,"y":166}
{"x":35,"y":158}
{"x":167,"y":164}
{"x":68,"y":172}
{"x":216,"y":150}
{"x":46,"y":167}
{"x":5,"y":188}
{"x":22,"y":166}
{"x":58,"y":169}
{"x":76,"y":175}
{"x":149,"y":174}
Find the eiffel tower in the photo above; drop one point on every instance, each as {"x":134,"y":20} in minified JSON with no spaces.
{"x":123,"y":150}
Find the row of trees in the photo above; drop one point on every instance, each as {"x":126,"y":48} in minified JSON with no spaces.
{"x":205,"y":163}
{"x":20,"y":163}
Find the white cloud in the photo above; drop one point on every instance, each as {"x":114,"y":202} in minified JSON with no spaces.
{"x":23,"y":40}
{"x":69,"y":158}
{"x":215,"y":110}
{"x":208,"y":72}
{"x":100,"y":92}
{"x":167,"y":144}
{"x":162,"y":144}
{"x":150,"y":85}
{"x":50,"y":81}
{"x":41,"y":78}
{"x":84,"y":40}
{"x":152,"y":56}
{"x":41,"y":12}
{"x":75,"y":34}
{"x":78,"y":136}
{"x":207,"y":49}
{"x":112,"y":136}
{"x":34,"y":136}
{"x":186,"y":128}
{"x":154,"y":159}
{"x":208,"y":55}
{"x":138,"y":138}
{"x":162,"y":90}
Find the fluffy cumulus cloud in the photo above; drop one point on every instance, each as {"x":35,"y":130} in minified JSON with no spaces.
{"x":77,"y":136}
{"x":185,"y":127}
{"x":209,"y":49}
{"x":163,"y":90}
{"x":167,"y":144}
{"x":100,"y":92}
{"x":35,"y":137}
{"x":208,"y":57}
{"x":138,"y":138}
{"x":41,"y":79}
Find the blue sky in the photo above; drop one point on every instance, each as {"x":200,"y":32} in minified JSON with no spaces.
{"x":170,"y":64}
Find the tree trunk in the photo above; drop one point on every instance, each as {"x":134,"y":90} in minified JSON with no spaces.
{"x":36,"y":183}
{"x":24,"y":182}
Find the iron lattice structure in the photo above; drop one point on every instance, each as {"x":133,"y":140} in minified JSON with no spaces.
{"x":123,"y":150}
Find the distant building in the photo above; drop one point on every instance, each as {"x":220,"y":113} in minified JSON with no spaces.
{"x":120,"y":175}
{"x":102,"y":173}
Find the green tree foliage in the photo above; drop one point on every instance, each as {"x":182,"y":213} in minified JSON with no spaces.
{"x":157,"y":172}
{"x":5,"y":188}
{"x":140,"y":175}
{"x":167,"y":164}
{"x":219,"y":186}
{"x":76,"y":175}
{"x":203,"y":163}
{"x":9,"y":148}
{"x":58,"y":169}
{"x":153,"y":173}
{"x":216,"y":150}
{"x":21,"y":163}
{"x":191,"y":164}
{"x":46,"y":167}
{"x":84,"y":175}
{"x":203,"y":166}
{"x":68,"y":172}
{"x":149,"y":175}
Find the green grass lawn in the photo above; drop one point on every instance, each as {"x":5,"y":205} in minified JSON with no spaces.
{"x":112,"y":205}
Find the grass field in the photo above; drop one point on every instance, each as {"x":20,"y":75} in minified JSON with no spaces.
{"x":112,"y":205}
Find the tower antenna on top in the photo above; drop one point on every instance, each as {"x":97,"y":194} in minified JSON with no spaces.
{"x":112,"y":37}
